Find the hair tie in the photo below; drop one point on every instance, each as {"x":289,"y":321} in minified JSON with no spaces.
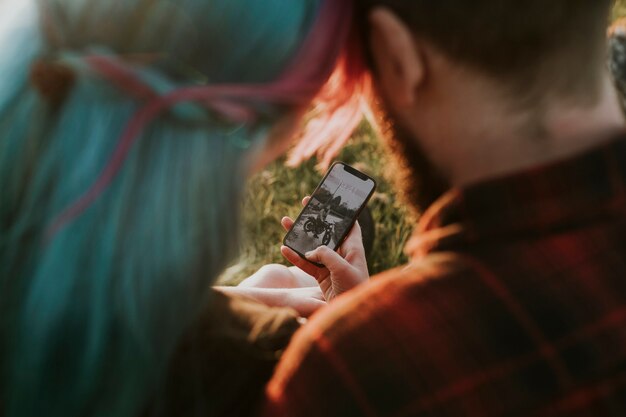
{"x":52,"y":80}
{"x":297,"y":85}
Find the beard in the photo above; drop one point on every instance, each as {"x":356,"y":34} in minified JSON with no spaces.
{"x":418,"y":181}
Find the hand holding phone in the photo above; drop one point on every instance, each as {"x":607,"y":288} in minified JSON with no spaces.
{"x":334,"y":206}
{"x":331,"y":211}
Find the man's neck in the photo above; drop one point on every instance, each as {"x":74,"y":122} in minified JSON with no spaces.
{"x":495,"y":144}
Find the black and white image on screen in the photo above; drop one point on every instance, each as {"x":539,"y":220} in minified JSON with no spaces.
{"x":330,"y":212}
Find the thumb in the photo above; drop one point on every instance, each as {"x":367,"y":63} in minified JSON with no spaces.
{"x":329,"y":258}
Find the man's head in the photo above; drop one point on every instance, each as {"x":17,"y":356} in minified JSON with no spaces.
{"x":485,"y":66}
{"x":507,"y":39}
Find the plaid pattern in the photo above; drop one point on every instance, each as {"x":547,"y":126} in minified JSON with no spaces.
{"x":514,"y":306}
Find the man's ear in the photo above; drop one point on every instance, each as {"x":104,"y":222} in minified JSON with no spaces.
{"x":400,"y":66}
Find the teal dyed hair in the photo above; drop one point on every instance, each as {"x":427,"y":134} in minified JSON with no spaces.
{"x":90,"y":316}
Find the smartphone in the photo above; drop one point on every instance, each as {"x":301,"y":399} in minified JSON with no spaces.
{"x":333,"y":209}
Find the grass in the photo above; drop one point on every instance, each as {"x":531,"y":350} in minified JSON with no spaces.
{"x":619,"y":9}
{"x":277,"y":191}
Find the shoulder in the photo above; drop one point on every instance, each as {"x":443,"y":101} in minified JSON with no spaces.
{"x":354,"y":353}
{"x":406,"y":287}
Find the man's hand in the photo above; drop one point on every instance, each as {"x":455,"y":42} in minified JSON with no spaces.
{"x":342,"y":271}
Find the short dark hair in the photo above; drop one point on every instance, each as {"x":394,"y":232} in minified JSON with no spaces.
{"x":509,"y":38}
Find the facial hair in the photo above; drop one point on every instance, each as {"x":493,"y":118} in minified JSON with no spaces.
{"x":419,"y":182}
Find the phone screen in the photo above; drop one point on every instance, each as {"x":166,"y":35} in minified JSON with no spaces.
{"x":333,"y":209}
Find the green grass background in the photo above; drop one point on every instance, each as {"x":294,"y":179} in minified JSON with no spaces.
{"x":277,"y":191}
{"x":619,"y":10}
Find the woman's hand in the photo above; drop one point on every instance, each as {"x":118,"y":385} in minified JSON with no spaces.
{"x":305,"y":300}
{"x":342,"y":271}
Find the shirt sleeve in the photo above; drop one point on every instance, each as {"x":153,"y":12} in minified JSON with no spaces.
{"x":313,"y":379}
{"x":364,"y":354}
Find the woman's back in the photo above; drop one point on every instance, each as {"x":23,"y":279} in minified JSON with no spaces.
{"x":120,"y":194}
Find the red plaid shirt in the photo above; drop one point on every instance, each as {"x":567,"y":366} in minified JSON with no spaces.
{"x":516,"y":306}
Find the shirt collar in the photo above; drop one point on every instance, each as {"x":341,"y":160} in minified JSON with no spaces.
{"x":528,"y":204}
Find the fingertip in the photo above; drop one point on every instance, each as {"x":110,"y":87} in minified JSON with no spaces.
{"x":289,"y":255}
{"x":315,"y":255}
{"x":323,"y":249}
{"x":286,"y":223}
{"x":296,"y":260}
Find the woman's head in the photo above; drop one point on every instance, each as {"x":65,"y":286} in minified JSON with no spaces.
{"x":121,"y":188}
